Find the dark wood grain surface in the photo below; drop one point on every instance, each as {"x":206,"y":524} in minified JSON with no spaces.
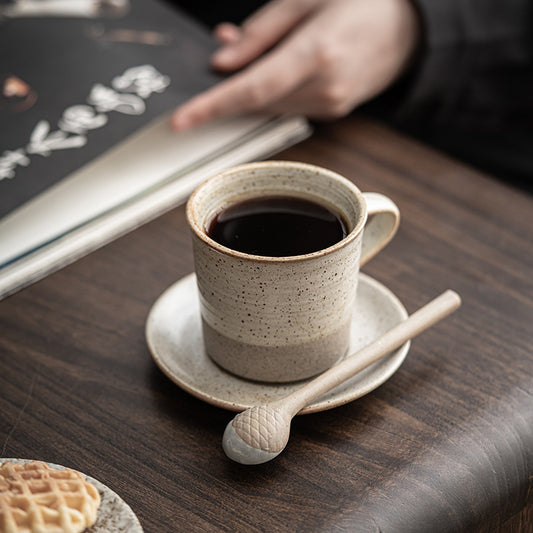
{"x":445,"y":445}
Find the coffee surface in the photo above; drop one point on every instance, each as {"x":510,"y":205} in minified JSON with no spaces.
{"x":277,"y":226}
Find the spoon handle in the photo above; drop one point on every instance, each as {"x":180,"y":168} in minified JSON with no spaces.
{"x":419,"y":321}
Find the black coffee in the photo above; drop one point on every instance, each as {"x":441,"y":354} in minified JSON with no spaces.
{"x":277,"y":226}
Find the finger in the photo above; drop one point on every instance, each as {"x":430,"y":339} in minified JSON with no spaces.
{"x":227,"y":33}
{"x":256,"y":87}
{"x":259,"y":33}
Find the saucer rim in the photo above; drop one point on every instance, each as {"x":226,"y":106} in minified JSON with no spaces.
{"x":316,"y":406}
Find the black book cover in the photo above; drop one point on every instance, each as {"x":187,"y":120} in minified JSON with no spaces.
{"x":78,"y":76}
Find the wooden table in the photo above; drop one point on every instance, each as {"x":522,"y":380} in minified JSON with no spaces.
{"x":446,"y":444}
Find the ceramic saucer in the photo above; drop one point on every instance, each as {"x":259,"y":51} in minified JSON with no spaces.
{"x":114,"y":514}
{"x":174,"y":337}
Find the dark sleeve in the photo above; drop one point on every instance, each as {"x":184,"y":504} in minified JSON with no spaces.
{"x":454,"y":22}
{"x":476,"y":62}
{"x":470,"y":89}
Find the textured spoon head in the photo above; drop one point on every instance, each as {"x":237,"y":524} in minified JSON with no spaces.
{"x":236,"y":449}
{"x":256,"y":435}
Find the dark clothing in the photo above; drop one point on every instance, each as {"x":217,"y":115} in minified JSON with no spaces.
{"x":470,"y":92}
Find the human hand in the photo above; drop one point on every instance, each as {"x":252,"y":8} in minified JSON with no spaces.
{"x":319,"y":58}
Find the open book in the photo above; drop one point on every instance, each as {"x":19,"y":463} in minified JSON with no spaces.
{"x":86,"y":152}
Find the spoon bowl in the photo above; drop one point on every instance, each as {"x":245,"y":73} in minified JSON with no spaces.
{"x":256,"y":435}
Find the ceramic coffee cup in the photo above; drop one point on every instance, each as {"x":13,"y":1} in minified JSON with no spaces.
{"x":280,"y":319}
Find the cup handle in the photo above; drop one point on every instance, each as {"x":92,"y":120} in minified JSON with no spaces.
{"x":380,"y":229}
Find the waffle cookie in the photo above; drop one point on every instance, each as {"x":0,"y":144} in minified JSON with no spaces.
{"x":35,"y":498}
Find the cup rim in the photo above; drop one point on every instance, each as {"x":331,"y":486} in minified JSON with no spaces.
{"x":201,"y":232}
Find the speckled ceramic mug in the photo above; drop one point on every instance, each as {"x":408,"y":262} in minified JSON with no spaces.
{"x":281,"y":319}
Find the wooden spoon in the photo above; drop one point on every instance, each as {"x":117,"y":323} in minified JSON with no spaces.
{"x":260,"y":433}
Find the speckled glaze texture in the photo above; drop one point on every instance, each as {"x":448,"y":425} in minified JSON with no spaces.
{"x":275,"y":363}
{"x":174,"y":337}
{"x":277,"y":319}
